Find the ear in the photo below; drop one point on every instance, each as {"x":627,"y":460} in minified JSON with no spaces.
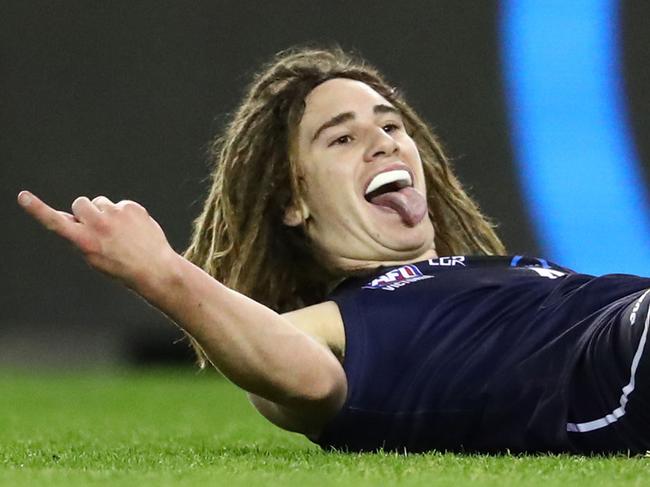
{"x":295,"y":214}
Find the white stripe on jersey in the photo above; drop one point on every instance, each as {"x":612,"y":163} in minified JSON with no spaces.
{"x":627,"y":390}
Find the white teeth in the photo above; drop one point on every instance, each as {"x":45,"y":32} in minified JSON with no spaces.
{"x":396,"y":176}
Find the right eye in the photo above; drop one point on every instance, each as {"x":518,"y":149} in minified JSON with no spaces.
{"x":342,"y":140}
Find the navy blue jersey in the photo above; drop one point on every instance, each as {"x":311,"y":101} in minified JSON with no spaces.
{"x":469,"y":353}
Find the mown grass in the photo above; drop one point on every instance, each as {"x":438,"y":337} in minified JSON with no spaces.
{"x":181,"y":428}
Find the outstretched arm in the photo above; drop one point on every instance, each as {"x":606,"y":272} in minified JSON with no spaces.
{"x":256,"y":348}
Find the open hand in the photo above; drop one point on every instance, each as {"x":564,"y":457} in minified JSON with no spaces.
{"x":118,"y":239}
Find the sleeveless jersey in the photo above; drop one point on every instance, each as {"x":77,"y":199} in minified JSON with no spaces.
{"x":467,"y":353}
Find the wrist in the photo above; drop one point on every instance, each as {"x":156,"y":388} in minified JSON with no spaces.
{"x":157,"y":282}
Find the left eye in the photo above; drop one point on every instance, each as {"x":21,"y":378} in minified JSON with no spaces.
{"x":390,"y":127}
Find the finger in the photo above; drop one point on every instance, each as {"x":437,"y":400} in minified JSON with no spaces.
{"x":60,"y":222}
{"x":67,"y":216}
{"x":130,"y":204}
{"x":132,"y":207}
{"x":85,"y":211}
{"x":103,"y":203}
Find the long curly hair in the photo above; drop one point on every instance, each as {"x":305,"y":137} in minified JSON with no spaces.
{"x":240,"y":239}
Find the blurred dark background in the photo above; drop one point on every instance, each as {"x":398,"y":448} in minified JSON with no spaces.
{"x":121,"y":99}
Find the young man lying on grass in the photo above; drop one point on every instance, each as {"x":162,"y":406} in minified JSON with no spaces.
{"x":340,"y":274}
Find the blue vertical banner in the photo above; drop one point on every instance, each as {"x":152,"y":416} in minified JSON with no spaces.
{"x":575,"y":155}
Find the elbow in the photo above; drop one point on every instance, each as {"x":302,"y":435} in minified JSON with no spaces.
{"x":327,"y":392}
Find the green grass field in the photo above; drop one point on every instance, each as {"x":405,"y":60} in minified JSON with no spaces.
{"x":182,"y":428}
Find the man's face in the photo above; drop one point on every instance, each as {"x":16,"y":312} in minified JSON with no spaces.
{"x":365,"y":188}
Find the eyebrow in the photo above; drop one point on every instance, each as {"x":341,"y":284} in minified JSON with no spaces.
{"x":346,"y":116}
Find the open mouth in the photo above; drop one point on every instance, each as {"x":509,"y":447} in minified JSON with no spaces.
{"x":387,"y":182}
{"x":393,"y":190}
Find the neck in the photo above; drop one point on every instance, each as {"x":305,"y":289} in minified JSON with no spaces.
{"x":354,"y":265}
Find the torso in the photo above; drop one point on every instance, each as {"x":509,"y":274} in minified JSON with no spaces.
{"x":456,"y":351}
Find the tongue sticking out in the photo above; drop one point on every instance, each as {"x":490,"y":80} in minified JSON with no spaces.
{"x":408,"y":202}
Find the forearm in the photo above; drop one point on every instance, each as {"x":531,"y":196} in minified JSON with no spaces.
{"x":253,"y":346}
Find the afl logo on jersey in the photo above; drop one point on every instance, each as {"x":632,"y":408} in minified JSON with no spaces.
{"x":397,"y":278}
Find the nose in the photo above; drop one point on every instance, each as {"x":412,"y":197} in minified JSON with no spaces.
{"x":381,"y":144}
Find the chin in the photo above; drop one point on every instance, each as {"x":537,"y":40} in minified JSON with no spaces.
{"x":392,"y":244}
{"x":409,"y":240}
